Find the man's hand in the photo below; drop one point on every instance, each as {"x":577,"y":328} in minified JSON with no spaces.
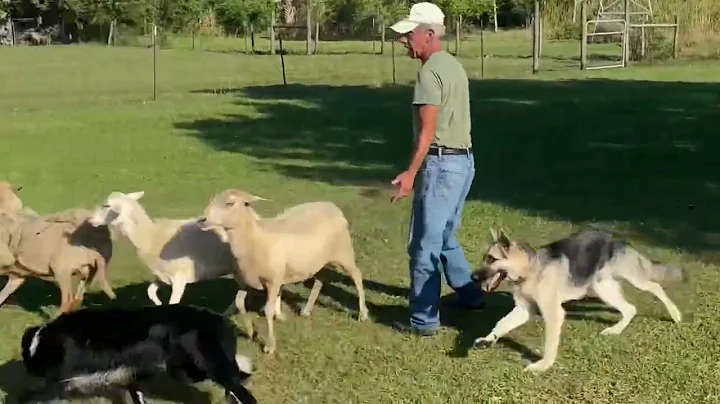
{"x":405,"y":181}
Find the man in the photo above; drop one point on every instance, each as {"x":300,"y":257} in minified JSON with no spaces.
{"x":444,"y":164}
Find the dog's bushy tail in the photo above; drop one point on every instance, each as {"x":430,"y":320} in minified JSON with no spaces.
{"x":667,"y":273}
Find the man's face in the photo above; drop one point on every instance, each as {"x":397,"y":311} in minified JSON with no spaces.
{"x":416,"y":41}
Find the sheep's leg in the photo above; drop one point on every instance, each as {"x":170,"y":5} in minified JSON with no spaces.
{"x":101,"y":266}
{"x":273,"y":290}
{"x":279,"y":314}
{"x":13,"y":283}
{"x":152,"y":291}
{"x":240,"y":305}
{"x":178,"y":288}
{"x":314,"y":292}
{"x":348,"y":264}
{"x":64,"y":280}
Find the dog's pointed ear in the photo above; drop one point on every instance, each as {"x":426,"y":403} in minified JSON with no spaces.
{"x":503,"y":239}
{"x":493,"y":234}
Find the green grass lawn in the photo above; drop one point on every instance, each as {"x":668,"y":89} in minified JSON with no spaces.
{"x":634,"y":150}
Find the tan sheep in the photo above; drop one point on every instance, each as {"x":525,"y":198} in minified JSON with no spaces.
{"x":289,"y":248}
{"x":54,"y":247}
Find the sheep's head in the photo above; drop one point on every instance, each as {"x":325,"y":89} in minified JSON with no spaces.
{"x":9,"y":200}
{"x":228,"y":209}
{"x":116,"y":209}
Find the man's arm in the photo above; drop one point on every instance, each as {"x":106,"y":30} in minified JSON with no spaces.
{"x":428,"y":98}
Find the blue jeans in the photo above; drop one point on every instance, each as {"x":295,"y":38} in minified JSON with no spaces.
{"x":441,"y":188}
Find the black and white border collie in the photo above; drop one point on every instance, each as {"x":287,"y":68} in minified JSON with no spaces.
{"x":116,"y":347}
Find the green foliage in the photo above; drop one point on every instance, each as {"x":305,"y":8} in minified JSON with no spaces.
{"x":178,"y":15}
{"x":4,"y":9}
{"x":235,"y":14}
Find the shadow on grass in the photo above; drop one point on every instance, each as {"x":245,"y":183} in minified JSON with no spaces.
{"x":638,"y":152}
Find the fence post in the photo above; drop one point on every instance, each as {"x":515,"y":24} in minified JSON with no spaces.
{"x":308,"y":23}
{"x":536,"y":38}
{"x":626,"y":51}
{"x":584,"y":37}
{"x":676,"y":37}
{"x":154,"y":46}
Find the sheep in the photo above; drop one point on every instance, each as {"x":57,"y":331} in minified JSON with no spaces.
{"x":289,"y":248}
{"x":54,"y":247}
{"x":175,"y":250}
{"x":10,"y":202}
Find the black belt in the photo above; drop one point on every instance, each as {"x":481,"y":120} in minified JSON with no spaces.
{"x":438,"y":150}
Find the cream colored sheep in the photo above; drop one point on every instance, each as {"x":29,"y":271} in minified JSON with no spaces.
{"x":289,"y":248}
{"x":175,"y":250}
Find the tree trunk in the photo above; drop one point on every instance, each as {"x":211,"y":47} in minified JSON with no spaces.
{"x":308,"y":24}
{"x":495,"y":15}
{"x":111,"y":34}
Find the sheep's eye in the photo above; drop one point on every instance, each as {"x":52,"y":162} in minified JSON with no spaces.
{"x":229,"y":203}
{"x":247,"y":203}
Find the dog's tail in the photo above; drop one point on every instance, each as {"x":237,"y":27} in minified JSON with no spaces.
{"x":244,"y":363}
{"x":664,"y":272}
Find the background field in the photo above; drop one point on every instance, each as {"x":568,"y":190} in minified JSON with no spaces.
{"x":634,"y":150}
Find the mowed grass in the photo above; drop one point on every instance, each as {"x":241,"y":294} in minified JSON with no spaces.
{"x":634,"y":150}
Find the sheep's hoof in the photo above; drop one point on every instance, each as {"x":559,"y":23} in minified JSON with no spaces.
{"x":363,"y":316}
{"x":268,"y":349}
{"x":305,"y":313}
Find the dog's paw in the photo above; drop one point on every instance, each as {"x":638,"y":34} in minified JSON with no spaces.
{"x":537,"y":367}
{"x":482,"y":343}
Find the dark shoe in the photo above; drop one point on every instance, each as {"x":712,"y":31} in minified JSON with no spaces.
{"x":409,"y":329}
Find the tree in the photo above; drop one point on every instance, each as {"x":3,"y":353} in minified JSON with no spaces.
{"x":4,"y":10}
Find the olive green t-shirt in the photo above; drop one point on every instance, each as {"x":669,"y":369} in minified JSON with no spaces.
{"x":442,"y":81}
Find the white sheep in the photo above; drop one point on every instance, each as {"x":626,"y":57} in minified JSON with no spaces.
{"x":289,"y":248}
{"x":175,"y":250}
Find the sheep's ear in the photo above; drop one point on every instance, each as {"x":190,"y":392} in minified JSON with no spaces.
{"x":136,"y":195}
{"x":254,"y":198}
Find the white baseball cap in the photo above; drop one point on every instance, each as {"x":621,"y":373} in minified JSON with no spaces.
{"x":420,"y":13}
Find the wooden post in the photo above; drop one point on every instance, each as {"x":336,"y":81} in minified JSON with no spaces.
{"x":373,"y":35}
{"x":541,"y":34}
{"x":272,"y":30}
{"x":317,"y":35}
{"x":482,"y":52}
{"x":245,"y":38}
{"x":154,"y":45}
{"x":382,"y":37}
{"x":392,"y":49}
{"x":676,"y":37}
{"x":584,"y":37}
{"x":308,"y":7}
{"x":282,"y":59}
{"x":626,"y":52}
{"x":536,"y":38}
{"x":642,"y":43}
{"x":457,"y":35}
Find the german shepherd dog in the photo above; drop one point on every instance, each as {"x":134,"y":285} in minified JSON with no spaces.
{"x":564,"y":270}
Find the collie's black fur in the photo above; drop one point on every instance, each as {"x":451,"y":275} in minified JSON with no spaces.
{"x":106,"y":347}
